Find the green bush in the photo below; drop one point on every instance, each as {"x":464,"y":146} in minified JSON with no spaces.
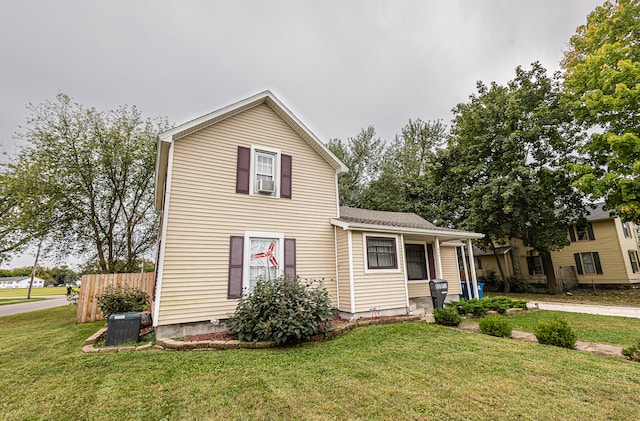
{"x":633,"y":352}
{"x":283,"y":310}
{"x":479,"y":308}
{"x":555,"y":332}
{"x":122,"y":300}
{"x":496,"y":326}
{"x":447,"y":316}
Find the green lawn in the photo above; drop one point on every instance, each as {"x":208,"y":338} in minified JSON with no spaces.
{"x":409,"y":371}
{"x":35,"y":292}
{"x":623,"y":331}
{"x":5,"y":301}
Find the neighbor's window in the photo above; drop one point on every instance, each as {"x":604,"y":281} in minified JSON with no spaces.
{"x":381,"y":253}
{"x":626,"y":229}
{"x":587,"y":263}
{"x":416,"y":262}
{"x":581,"y":232}
{"x":534,"y":263}
{"x":633,"y":257}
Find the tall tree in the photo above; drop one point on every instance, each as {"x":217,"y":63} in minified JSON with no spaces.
{"x":363,"y":156}
{"x":98,"y":168}
{"x":510,"y":146}
{"x":602,"y":82}
{"x":405,"y":164}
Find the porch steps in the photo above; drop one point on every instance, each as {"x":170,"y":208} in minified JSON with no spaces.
{"x":420,"y":306}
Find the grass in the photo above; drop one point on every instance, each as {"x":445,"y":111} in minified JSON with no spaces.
{"x":591,"y":328}
{"x":5,"y":301}
{"x":408,"y":371}
{"x":621,"y":296}
{"x":35,"y":292}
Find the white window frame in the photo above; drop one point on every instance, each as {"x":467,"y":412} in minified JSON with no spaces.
{"x":276,"y":168}
{"x":426,"y":261}
{"x":365,"y":253}
{"x":246,"y":269}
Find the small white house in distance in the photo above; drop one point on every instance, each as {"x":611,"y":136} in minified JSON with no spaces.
{"x":21,"y":282}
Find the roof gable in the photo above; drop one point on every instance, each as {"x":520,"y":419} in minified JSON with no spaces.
{"x":167,"y":138}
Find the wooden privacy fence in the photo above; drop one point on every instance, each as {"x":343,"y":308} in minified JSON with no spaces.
{"x":94,"y":284}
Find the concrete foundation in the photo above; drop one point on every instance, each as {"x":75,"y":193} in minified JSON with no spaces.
{"x":403,"y":311}
{"x":187,"y":329}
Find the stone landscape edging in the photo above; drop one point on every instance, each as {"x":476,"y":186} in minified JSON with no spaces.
{"x":170,"y":344}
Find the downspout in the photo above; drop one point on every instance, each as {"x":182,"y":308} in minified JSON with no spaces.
{"x":472,"y":267}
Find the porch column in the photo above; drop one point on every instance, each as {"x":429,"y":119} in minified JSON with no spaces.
{"x":438,"y":259}
{"x":466,"y":269}
{"x":472,"y":265}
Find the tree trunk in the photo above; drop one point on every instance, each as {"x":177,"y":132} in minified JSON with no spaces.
{"x":507,"y":285}
{"x":515,"y":261}
{"x":553,"y":285}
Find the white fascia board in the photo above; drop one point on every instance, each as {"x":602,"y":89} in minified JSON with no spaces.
{"x":402,"y":230}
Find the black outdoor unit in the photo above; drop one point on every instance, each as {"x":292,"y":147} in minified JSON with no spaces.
{"x":123,"y":328}
{"x":439,"y":289}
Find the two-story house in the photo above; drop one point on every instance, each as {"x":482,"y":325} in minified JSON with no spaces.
{"x":604,"y":251}
{"x":248,"y":191}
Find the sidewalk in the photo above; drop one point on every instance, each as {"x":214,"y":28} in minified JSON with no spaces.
{"x":50,"y":302}
{"x":604,"y":310}
{"x":607,"y":350}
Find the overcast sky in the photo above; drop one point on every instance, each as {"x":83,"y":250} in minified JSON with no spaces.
{"x":338,"y":65}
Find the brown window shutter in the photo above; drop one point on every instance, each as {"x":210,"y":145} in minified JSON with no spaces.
{"x":290,"y":257}
{"x":596,"y":262}
{"x":531,"y":265}
{"x":572,"y":234}
{"x":236,"y":260}
{"x":285,"y":176}
{"x":590,"y":232}
{"x":576,"y":257}
{"x":432,"y":262}
{"x":243,"y":170}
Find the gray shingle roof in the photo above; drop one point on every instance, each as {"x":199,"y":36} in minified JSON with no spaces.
{"x":389,"y":219}
{"x":598,"y":212}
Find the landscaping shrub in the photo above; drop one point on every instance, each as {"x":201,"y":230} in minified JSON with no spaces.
{"x":556,"y":332}
{"x":122,"y":300}
{"x":496,"y":326}
{"x":283,"y":310}
{"x":447,"y":316}
{"x":479,"y":308}
{"x":633,"y":352}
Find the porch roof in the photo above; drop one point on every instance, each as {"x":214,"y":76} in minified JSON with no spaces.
{"x":396,"y":222}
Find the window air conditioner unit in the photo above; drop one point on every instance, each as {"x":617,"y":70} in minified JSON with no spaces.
{"x":266,"y":186}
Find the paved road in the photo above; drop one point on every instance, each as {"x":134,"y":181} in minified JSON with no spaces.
{"x":50,"y":302}
{"x":588,"y":308}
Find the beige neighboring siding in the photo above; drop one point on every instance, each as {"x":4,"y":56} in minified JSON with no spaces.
{"x":450,"y":270}
{"x":607,"y":244}
{"x":343,"y":271}
{"x":204,"y":211}
{"x":419,"y":289}
{"x":381,"y":290}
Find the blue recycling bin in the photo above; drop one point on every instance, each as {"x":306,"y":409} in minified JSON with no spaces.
{"x":470,"y":294}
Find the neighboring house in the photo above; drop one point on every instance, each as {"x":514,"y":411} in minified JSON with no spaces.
{"x":21,"y":282}
{"x":247,"y":192}
{"x":604,"y":251}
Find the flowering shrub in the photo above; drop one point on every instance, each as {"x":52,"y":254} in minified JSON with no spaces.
{"x":283,"y":310}
{"x":122,"y":300}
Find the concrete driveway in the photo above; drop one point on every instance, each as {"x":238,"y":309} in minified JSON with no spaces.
{"x":622,"y":311}
{"x":50,"y":302}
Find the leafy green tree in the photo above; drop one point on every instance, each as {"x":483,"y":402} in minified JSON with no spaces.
{"x":363,"y":156}
{"x":509,"y":147}
{"x":97,"y":167}
{"x":404,"y":167}
{"x":602,"y":83}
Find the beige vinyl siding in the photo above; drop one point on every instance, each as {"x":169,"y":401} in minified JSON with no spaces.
{"x":383,"y":290}
{"x":204,"y":211}
{"x":419,"y":289}
{"x":607,"y":243}
{"x":343,"y":270}
{"x":450,"y":270}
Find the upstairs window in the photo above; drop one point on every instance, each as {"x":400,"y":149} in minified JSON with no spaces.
{"x":262,"y":171}
{"x":581,"y":232}
{"x":264,"y":181}
{"x":626,"y":230}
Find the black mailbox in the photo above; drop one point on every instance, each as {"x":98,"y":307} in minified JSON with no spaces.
{"x":122,"y":328}
{"x":439,"y":289}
